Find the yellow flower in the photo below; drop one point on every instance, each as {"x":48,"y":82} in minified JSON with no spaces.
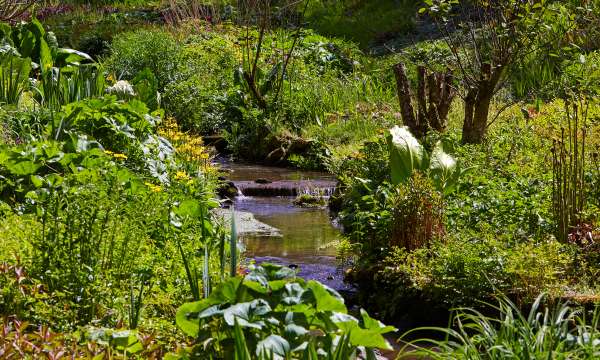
{"x":181,"y":175}
{"x":120,"y":156}
{"x":108,"y":152}
{"x":152,"y":187}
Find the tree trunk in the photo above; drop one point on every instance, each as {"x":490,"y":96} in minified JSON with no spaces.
{"x":477,"y":105}
{"x":405,"y":98}
{"x":433,"y":98}
{"x":477,"y":109}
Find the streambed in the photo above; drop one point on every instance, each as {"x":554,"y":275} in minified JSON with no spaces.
{"x":305,"y":237}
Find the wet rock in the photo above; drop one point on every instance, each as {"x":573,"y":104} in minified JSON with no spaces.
{"x":227,"y":190}
{"x":246,"y":223}
{"x":216,"y":141}
{"x":262,"y":181}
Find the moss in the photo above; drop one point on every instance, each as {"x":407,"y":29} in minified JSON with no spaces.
{"x":307,"y":200}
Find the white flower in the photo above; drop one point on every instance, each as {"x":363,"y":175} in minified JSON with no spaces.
{"x":121,"y":87}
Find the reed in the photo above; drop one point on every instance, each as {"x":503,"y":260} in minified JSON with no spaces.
{"x":569,"y":169}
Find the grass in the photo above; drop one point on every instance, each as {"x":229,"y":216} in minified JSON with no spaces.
{"x":562,"y":331}
{"x":362,"y":21}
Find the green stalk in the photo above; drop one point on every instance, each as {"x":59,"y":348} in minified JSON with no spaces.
{"x":233,"y":244}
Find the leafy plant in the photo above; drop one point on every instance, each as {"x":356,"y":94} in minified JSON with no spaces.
{"x":561,"y":331}
{"x":569,"y":169}
{"x":407,"y":155}
{"x":135,"y":51}
{"x":279,"y":315}
{"x":417,"y":217}
{"x":14,"y":75}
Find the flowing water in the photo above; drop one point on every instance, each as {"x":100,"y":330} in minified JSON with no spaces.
{"x":308,"y":236}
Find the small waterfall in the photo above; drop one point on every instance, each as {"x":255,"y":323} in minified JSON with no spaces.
{"x":290,"y":188}
{"x":324,"y":192}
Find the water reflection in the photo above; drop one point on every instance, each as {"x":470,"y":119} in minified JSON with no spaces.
{"x":306,"y":233}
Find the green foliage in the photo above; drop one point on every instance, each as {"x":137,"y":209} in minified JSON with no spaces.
{"x":14,"y":75}
{"x":197,"y":96}
{"x":145,"y":86}
{"x":559,"y":331}
{"x":133,"y":52}
{"x":418,"y":216}
{"x":280,"y":313}
{"x":408,"y":156}
{"x":362,"y":21}
{"x":124,"y":128}
{"x":63,"y":76}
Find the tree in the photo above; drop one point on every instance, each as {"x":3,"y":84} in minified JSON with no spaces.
{"x":283,"y":20}
{"x":434,"y":96}
{"x":486,"y":39}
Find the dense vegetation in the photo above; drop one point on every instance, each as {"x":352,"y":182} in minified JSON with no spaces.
{"x":463,"y":135}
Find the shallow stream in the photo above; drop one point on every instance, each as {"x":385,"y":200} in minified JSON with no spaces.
{"x":307,"y":236}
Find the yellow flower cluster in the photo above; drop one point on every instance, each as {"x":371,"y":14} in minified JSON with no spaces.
{"x":181,"y":175}
{"x":189,"y":147}
{"x":117,"y":156}
{"x":152,"y":187}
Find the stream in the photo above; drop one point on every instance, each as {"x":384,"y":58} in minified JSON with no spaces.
{"x":305,"y":237}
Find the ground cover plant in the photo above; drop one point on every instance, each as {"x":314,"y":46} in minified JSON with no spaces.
{"x":467,"y":173}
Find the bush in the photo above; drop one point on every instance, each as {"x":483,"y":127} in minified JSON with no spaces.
{"x":198,"y":94}
{"x":157,"y":50}
{"x":418,"y":214}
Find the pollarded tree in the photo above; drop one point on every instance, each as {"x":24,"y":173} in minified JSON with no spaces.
{"x":486,"y":39}
{"x":432,"y":100}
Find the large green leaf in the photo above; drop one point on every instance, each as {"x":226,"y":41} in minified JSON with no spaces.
{"x":441,"y":167}
{"x":189,"y":208}
{"x":23,"y":167}
{"x":406,"y":154}
{"x":187,"y":316}
{"x":247,"y":314}
{"x":325,"y":298}
{"x":273,"y":345}
{"x":46,"y":62}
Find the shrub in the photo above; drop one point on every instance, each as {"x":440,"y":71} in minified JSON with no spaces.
{"x":418,"y":214}
{"x":197,"y":96}
{"x":156,"y":50}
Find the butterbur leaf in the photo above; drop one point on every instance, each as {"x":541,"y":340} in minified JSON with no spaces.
{"x":406,"y":154}
{"x":187,"y":316}
{"x":442,"y":167}
{"x":374,"y":324}
{"x":26,"y":167}
{"x":228,"y":291}
{"x":273,"y":345}
{"x":292,"y":294}
{"x":189,"y":208}
{"x":246,"y":314}
{"x":325,"y":298}
{"x":357,"y":336}
{"x":293,"y":331}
